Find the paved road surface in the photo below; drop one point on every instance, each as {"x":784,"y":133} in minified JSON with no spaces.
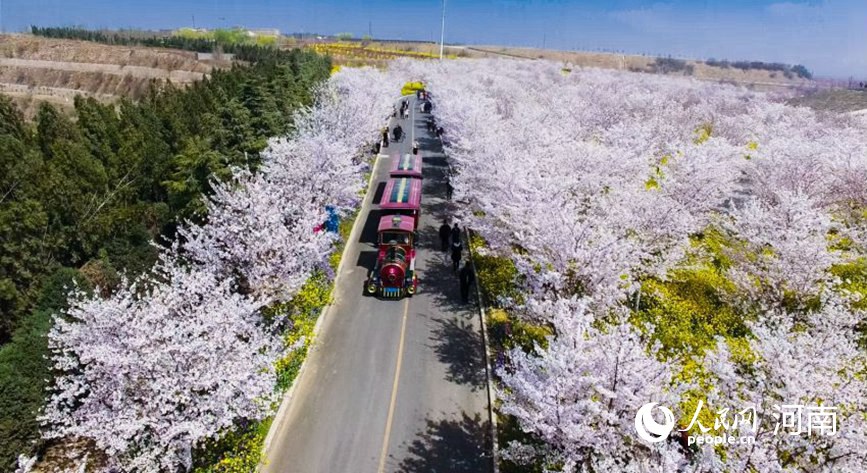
{"x":391,"y":386}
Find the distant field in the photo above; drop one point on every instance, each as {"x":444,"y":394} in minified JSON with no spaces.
{"x":834,"y":100}
{"x":374,"y":53}
{"x":759,"y":79}
{"x":378,"y":53}
{"x":35,"y":69}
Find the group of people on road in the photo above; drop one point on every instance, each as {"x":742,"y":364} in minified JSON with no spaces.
{"x":404,"y":110}
{"x":425,"y":104}
{"x":396,"y":132}
{"x":450,"y":240}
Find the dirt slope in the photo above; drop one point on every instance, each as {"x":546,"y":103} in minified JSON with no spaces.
{"x":34,"y":69}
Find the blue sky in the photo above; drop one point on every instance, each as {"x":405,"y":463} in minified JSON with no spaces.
{"x":828,"y":36}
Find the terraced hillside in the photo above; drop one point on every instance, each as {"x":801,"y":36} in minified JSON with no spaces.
{"x":34,"y":69}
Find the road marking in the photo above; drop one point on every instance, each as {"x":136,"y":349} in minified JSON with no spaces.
{"x":390,"y":417}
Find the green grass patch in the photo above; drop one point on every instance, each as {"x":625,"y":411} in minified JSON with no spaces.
{"x":687,"y":312}
{"x":497,"y":276}
{"x":508,"y":332}
{"x":238,"y":451}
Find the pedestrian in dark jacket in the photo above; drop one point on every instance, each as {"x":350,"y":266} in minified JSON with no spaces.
{"x":449,"y":189}
{"x":398,"y":132}
{"x":457,"y":248}
{"x":467,"y":279}
{"x":445,"y":234}
{"x":456,"y":234}
{"x":385,"y":137}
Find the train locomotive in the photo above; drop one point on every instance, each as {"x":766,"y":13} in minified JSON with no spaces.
{"x":394,"y":274}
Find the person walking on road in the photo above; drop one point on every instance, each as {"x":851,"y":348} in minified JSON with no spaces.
{"x":457,"y":249}
{"x":449,"y":188}
{"x":385,"y":137}
{"x":398,"y":132}
{"x":445,"y":234}
{"x":467,"y":280}
{"x":456,"y":234}
{"x":457,"y":246}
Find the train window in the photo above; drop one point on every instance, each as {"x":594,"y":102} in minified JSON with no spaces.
{"x":394,"y":238}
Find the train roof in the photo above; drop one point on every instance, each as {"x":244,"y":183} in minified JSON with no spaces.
{"x":396,"y":222}
{"x":408,"y":165}
{"x":401,"y":193}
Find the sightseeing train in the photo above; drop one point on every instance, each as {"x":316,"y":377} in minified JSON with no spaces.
{"x":394,"y":274}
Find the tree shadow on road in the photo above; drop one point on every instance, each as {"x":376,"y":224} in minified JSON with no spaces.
{"x":366,"y":259}
{"x":443,"y":284}
{"x":450,"y":446}
{"x":458,"y":345}
{"x":369,"y":230}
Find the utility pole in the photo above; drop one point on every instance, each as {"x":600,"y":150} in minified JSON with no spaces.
{"x":443,"y":31}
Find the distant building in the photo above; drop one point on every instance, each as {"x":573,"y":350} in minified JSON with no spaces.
{"x":263,"y":32}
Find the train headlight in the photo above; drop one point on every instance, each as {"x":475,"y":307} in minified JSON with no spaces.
{"x":410,"y":289}
{"x":371,"y":288}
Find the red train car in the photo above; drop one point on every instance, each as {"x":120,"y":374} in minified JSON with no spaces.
{"x":402,"y":196}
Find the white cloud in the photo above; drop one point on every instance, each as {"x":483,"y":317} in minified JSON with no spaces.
{"x":791,"y":10}
{"x":654,"y":18}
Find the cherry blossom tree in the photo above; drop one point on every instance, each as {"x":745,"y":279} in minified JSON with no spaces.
{"x":156,"y":367}
{"x":787,"y":248}
{"x":263,"y":226}
{"x":580,"y":395}
{"x":817,"y":365}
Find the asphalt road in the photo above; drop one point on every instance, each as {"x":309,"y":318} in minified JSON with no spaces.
{"x":391,"y":386}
